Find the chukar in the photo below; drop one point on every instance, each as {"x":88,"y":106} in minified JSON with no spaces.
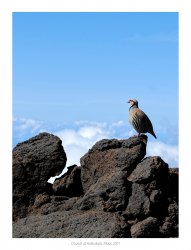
{"x":139,"y":120}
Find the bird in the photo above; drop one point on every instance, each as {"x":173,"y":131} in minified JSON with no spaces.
{"x":139,"y":120}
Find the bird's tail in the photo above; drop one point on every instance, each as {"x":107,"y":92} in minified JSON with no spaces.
{"x":153,"y":134}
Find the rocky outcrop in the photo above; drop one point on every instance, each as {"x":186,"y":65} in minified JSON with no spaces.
{"x":34,"y":162}
{"x":108,"y":156}
{"x":116,"y":192}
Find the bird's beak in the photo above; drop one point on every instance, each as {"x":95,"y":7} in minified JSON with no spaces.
{"x":129,"y":101}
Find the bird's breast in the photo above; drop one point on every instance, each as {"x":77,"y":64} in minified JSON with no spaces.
{"x":130,"y":117}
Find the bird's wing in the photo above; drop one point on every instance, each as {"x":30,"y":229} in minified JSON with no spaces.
{"x":145,"y":121}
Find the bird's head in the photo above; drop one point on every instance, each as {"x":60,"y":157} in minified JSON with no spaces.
{"x":133,"y":102}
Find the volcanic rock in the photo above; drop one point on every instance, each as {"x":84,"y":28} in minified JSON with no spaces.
{"x":110,"y":155}
{"x":139,"y":203}
{"x":34,"y":162}
{"x":147,"y":228}
{"x":116,"y":192}
{"x":70,"y":183}
{"x":75,"y":224}
{"x":109,"y":193}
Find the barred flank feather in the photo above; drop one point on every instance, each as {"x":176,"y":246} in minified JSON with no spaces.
{"x":139,"y":120}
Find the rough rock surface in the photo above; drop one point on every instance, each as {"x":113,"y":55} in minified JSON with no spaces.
{"x":147,"y":228}
{"x":74,"y":223}
{"x":34,"y":162}
{"x":110,"y":155}
{"x":70,"y":183}
{"x":116,"y":192}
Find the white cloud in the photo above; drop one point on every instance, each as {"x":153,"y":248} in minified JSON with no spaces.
{"x":29,"y":124}
{"x":118,"y":124}
{"x":92,"y":123}
{"x":132,"y":132}
{"x":91,"y":132}
{"x":169,"y":153}
{"x":26,"y":126}
{"x":77,"y":142}
{"x":78,"y":139}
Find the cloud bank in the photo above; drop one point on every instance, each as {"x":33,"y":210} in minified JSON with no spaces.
{"x":79,"y":137}
{"x":76,"y":142}
{"x":169,"y":153}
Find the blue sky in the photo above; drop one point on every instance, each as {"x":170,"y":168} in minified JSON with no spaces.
{"x":74,"y":72}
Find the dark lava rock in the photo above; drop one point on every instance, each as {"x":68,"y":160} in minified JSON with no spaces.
{"x":114,"y":193}
{"x":70,"y":183}
{"x":72,"y":224}
{"x":34,"y":162}
{"x":173,"y":183}
{"x":109,"y":193}
{"x":139,"y":203}
{"x":156,"y":196}
{"x":147,"y":228}
{"x":150,"y":168}
{"x":170,"y":226}
{"x":153,"y":174}
{"x":110,"y":155}
{"x":41,"y":199}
